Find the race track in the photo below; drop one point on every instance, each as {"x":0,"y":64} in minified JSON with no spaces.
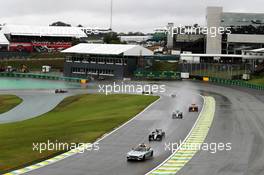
{"x":239,"y":119}
{"x":111,"y":158}
{"x":34,"y":103}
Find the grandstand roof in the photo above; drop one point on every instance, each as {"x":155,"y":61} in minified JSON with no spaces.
{"x":258,"y":50}
{"x":109,"y":49}
{"x":3,"y":40}
{"x":53,"y":31}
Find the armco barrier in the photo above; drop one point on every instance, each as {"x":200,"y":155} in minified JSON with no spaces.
{"x":236,"y":83}
{"x":39,"y":76}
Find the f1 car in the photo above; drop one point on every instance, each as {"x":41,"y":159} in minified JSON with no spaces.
{"x":60,"y":91}
{"x":193,"y":108}
{"x":141,"y":152}
{"x":147,"y":92}
{"x":156,"y":135}
{"x":177,"y":115}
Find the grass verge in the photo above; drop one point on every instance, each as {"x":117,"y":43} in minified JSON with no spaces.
{"x":258,"y":80}
{"x":7,"y":102}
{"x":77,"y":119}
{"x":35,"y":64}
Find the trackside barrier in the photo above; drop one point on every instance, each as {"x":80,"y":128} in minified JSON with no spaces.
{"x":236,"y":83}
{"x":158,"y":75}
{"x":39,"y":76}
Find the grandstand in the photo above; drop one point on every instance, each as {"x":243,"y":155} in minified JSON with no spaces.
{"x":24,"y":38}
{"x":3,"y":42}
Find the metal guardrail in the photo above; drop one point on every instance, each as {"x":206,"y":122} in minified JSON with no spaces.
{"x":236,"y":83}
{"x":39,"y":76}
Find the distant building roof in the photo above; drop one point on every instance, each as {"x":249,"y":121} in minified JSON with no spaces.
{"x":245,"y":38}
{"x":241,"y":19}
{"x":135,"y":38}
{"x":109,"y":49}
{"x":258,"y":50}
{"x":3,"y":40}
{"x":52,"y":31}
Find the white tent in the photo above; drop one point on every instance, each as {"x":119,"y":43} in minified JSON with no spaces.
{"x":109,"y":49}
{"x":3,"y":40}
{"x":52,"y":31}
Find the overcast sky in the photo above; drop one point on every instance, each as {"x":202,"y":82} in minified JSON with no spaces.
{"x":129,"y":15}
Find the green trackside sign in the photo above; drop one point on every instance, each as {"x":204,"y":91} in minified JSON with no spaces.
{"x":158,"y":75}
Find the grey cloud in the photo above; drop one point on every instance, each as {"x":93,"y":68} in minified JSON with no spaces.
{"x":129,"y":15}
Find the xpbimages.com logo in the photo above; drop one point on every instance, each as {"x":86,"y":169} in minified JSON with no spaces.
{"x":188,"y":30}
{"x":59,"y":146}
{"x":131,"y":88}
{"x":210,"y":147}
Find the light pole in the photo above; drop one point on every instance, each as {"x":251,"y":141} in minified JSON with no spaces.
{"x":111,"y":15}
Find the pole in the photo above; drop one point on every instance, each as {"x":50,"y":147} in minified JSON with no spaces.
{"x":111,"y":15}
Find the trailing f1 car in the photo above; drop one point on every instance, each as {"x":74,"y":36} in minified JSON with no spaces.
{"x":60,"y":91}
{"x":173,"y":95}
{"x":147,"y":92}
{"x":141,"y":152}
{"x":156,"y":135}
{"x":177,"y":115}
{"x":193,"y":108}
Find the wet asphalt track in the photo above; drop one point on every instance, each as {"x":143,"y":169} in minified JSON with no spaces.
{"x":34,"y":103}
{"x":239,"y":120}
{"x":111,"y":158}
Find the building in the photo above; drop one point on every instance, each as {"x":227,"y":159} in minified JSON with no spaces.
{"x":96,"y":34}
{"x":135,"y":39}
{"x":95,"y":31}
{"x":110,"y":61}
{"x":4,"y":43}
{"x":24,"y":38}
{"x":185,"y":38}
{"x":247,"y":31}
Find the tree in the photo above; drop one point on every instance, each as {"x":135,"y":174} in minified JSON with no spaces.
{"x":111,"y":38}
{"x":60,"y":23}
{"x":196,"y":25}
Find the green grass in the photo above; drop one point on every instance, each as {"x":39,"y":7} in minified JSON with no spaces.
{"x":35,"y":64}
{"x":47,"y":55}
{"x":77,"y":119}
{"x":164,"y":66}
{"x":7,"y":102}
{"x":258,"y":80}
{"x":218,"y":74}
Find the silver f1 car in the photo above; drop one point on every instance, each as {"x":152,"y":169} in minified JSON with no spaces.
{"x":156,"y":135}
{"x":177,"y":115}
{"x":60,"y":91}
{"x":141,"y":152}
